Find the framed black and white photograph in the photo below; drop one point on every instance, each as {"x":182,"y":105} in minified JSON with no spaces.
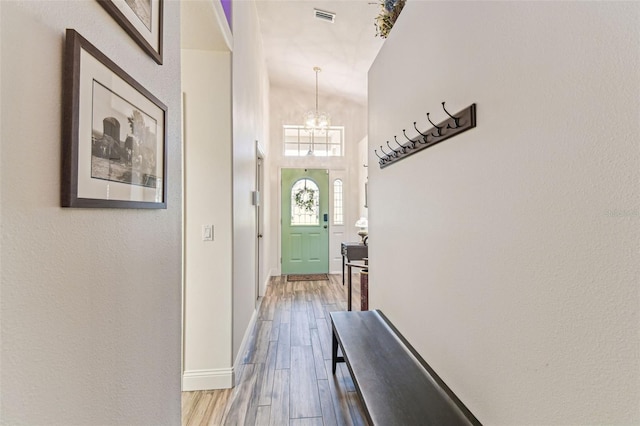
{"x":114,"y":134}
{"x":142,"y":20}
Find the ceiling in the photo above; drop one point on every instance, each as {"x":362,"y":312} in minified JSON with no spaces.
{"x":295,"y":42}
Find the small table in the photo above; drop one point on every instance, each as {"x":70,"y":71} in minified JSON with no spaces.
{"x":353,"y":251}
{"x":349,"y":266}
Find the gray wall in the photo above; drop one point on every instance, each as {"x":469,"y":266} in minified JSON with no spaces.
{"x":250,"y":114}
{"x":90,"y":307}
{"x":508,"y":255}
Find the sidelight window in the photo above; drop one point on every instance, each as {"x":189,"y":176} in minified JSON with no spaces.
{"x":338,"y":218}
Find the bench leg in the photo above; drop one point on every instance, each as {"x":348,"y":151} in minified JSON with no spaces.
{"x":349,"y":288}
{"x":334,"y":352}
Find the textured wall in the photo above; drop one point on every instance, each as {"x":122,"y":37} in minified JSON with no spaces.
{"x":90,"y":303}
{"x":250,"y":87}
{"x":206,"y":82}
{"x":509,"y":255}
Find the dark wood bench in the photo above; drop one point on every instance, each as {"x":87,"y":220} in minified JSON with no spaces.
{"x":396,"y":386}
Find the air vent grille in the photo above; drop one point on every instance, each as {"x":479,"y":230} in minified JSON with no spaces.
{"x":323,"y":15}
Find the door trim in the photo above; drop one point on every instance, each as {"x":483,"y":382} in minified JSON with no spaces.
{"x":259,"y":217}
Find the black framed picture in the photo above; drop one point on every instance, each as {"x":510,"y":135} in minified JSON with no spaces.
{"x":114,"y":145}
{"x":142,"y":20}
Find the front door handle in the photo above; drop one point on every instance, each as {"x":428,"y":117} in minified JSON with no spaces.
{"x":325,"y":227}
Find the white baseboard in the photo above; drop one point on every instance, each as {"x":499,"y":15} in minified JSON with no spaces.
{"x":267,"y":279}
{"x":245,"y":339}
{"x":221,"y":378}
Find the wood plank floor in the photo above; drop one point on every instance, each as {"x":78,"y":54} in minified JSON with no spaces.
{"x":285,"y":377}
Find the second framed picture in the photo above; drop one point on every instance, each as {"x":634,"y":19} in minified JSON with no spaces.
{"x":142,"y":20}
{"x":114,"y":134}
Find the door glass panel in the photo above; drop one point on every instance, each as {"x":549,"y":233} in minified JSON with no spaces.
{"x":305,"y":200}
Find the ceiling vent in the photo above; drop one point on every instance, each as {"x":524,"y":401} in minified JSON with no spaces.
{"x":323,"y":15}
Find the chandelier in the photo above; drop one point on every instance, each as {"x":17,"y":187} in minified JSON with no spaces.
{"x":314,"y":120}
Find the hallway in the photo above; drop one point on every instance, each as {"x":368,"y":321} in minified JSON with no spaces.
{"x":285,"y":376}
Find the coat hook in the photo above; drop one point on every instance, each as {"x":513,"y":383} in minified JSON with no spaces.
{"x":382,"y":160}
{"x":395,"y":153}
{"x":404,"y":148}
{"x":387,"y":155}
{"x":433,"y":134}
{"x":436,"y":126}
{"x":413,"y":143}
{"x":426,"y":141}
{"x":455,"y":119}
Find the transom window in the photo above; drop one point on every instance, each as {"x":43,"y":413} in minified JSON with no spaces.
{"x":299,"y":142}
{"x":305,"y":203}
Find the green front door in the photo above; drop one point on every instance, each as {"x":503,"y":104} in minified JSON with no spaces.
{"x":305,"y":211}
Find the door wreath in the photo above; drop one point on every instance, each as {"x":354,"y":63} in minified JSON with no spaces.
{"x":305,"y":199}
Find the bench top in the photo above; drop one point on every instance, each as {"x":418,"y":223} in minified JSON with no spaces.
{"x":396,"y":385}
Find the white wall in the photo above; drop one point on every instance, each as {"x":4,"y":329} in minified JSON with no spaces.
{"x":206,"y":82}
{"x":287,"y":107}
{"x":250,"y":89}
{"x":90,"y":307}
{"x":509,"y":255}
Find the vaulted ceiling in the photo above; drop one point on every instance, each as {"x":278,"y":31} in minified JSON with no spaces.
{"x":295,"y":41}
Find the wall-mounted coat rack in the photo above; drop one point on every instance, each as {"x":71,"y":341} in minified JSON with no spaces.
{"x":452,"y":126}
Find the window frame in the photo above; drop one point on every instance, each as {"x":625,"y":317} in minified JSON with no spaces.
{"x":305,"y":140}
